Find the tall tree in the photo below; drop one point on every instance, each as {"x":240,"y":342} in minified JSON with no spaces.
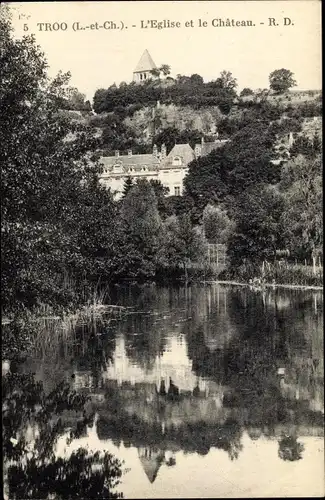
{"x":303,"y":210}
{"x":183,"y":243}
{"x":139,"y":232}
{"x":218,"y":227}
{"x":48,"y":172}
{"x":227,"y":171}
{"x":227,"y":81}
{"x":128,"y":183}
{"x":281,"y":80}
{"x":258,"y":231}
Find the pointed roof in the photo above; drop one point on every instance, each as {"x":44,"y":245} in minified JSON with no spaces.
{"x":151,"y":462}
{"x":184,"y":151}
{"x":146,"y":63}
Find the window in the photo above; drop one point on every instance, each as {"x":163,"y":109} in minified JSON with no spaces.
{"x":177,"y":161}
{"x":177,"y":191}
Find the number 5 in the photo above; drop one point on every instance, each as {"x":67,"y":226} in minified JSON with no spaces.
{"x":25,"y":27}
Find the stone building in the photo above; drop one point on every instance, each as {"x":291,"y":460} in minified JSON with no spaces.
{"x":144,"y":67}
{"x":170,"y":169}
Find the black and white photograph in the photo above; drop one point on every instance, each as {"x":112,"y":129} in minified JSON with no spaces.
{"x":161,"y":249}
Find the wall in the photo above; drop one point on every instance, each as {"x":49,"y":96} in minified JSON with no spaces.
{"x":172,"y":178}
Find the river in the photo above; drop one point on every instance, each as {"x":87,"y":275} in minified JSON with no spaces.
{"x":206,"y":391}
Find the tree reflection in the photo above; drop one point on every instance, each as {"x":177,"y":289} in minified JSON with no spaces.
{"x":271,"y":336}
{"x":32,"y":424}
{"x":83,"y":475}
{"x":290,"y":449}
{"x":144,"y":341}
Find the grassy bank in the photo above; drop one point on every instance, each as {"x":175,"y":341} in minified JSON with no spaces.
{"x":278,"y":273}
{"x":45,"y":325}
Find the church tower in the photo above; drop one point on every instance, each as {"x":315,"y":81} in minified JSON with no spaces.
{"x":144,"y":67}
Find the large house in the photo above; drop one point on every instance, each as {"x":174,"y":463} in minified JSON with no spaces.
{"x":170,"y":169}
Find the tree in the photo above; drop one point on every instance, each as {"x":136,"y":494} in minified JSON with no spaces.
{"x":76,"y":100}
{"x":165,"y":69}
{"x":172,"y":135}
{"x":155,"y":72}
{"x":246,"y":92}
{"x":227,"y":81}
{"x":196,"y":79}
{"x":217,"y":225}
{"x":182,"y":244}
{"x":308,"y":147}
{"x":161,"y":192}
{"x":290,"y":448}
{"x":128,"y":183}
{"x":302,"y":216}
{"x":258,"y":231}
{"x":244,"y":161}
{"x":139,"y":232}
{"x":49,"y":177}
{"x":281,"y":80}
{"x":99,"y":101}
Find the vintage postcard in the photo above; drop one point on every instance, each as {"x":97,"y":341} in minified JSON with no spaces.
{"x":162,"y":249}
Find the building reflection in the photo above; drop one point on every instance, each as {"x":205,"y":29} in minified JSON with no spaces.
{"x":194,"y":369}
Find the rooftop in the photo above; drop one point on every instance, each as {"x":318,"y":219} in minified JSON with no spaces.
{"x":146,"y":63}
{"x":129,"y":160}
{"x":183,"y":151}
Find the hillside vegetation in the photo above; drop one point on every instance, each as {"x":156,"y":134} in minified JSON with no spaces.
{"x":137,"y":116}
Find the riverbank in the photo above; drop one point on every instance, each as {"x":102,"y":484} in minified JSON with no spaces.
{"x":264,"y":285}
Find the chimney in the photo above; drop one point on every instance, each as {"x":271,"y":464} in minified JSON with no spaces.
{"x":155,"y":151}
{"x":163,"y":151}
{"x":130,"y":152}
{"x":117,"y":153}
{"x":198,"y":150}
{"x":202,"y":140}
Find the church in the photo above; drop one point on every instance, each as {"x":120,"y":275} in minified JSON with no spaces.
{"x":170,"y":169}
{"x":144,"y":68}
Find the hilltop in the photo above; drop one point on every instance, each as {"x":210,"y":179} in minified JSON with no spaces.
{"x":136,"y":116}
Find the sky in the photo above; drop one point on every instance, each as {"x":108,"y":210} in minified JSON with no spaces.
{"x":100,"y":57}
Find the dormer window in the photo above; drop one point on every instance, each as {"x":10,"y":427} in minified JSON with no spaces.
{"x":117,"y":168}
{"x":177,"y":161}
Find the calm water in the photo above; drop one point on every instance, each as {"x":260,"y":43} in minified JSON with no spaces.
{"x":203,"y":392}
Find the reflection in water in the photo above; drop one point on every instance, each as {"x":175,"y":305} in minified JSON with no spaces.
{"x":194,"y":370}
{"x":32,"y":425}
{"x":290,"y":448}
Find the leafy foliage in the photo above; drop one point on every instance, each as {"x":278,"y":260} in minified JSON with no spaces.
{"x":54,"y":214}
{"x":217,"y":225}
{"x":258,"y":231}
{"x":281,"y":80}
{"x":184,"y":91}
{"x":139,"y":232}
{"x":303,"y":213}
{"x":233,"y":168}
{"x":182,"y":243}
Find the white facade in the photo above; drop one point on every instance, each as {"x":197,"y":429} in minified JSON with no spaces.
{"x":142,"y":72}
{"x":169,"y":169}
